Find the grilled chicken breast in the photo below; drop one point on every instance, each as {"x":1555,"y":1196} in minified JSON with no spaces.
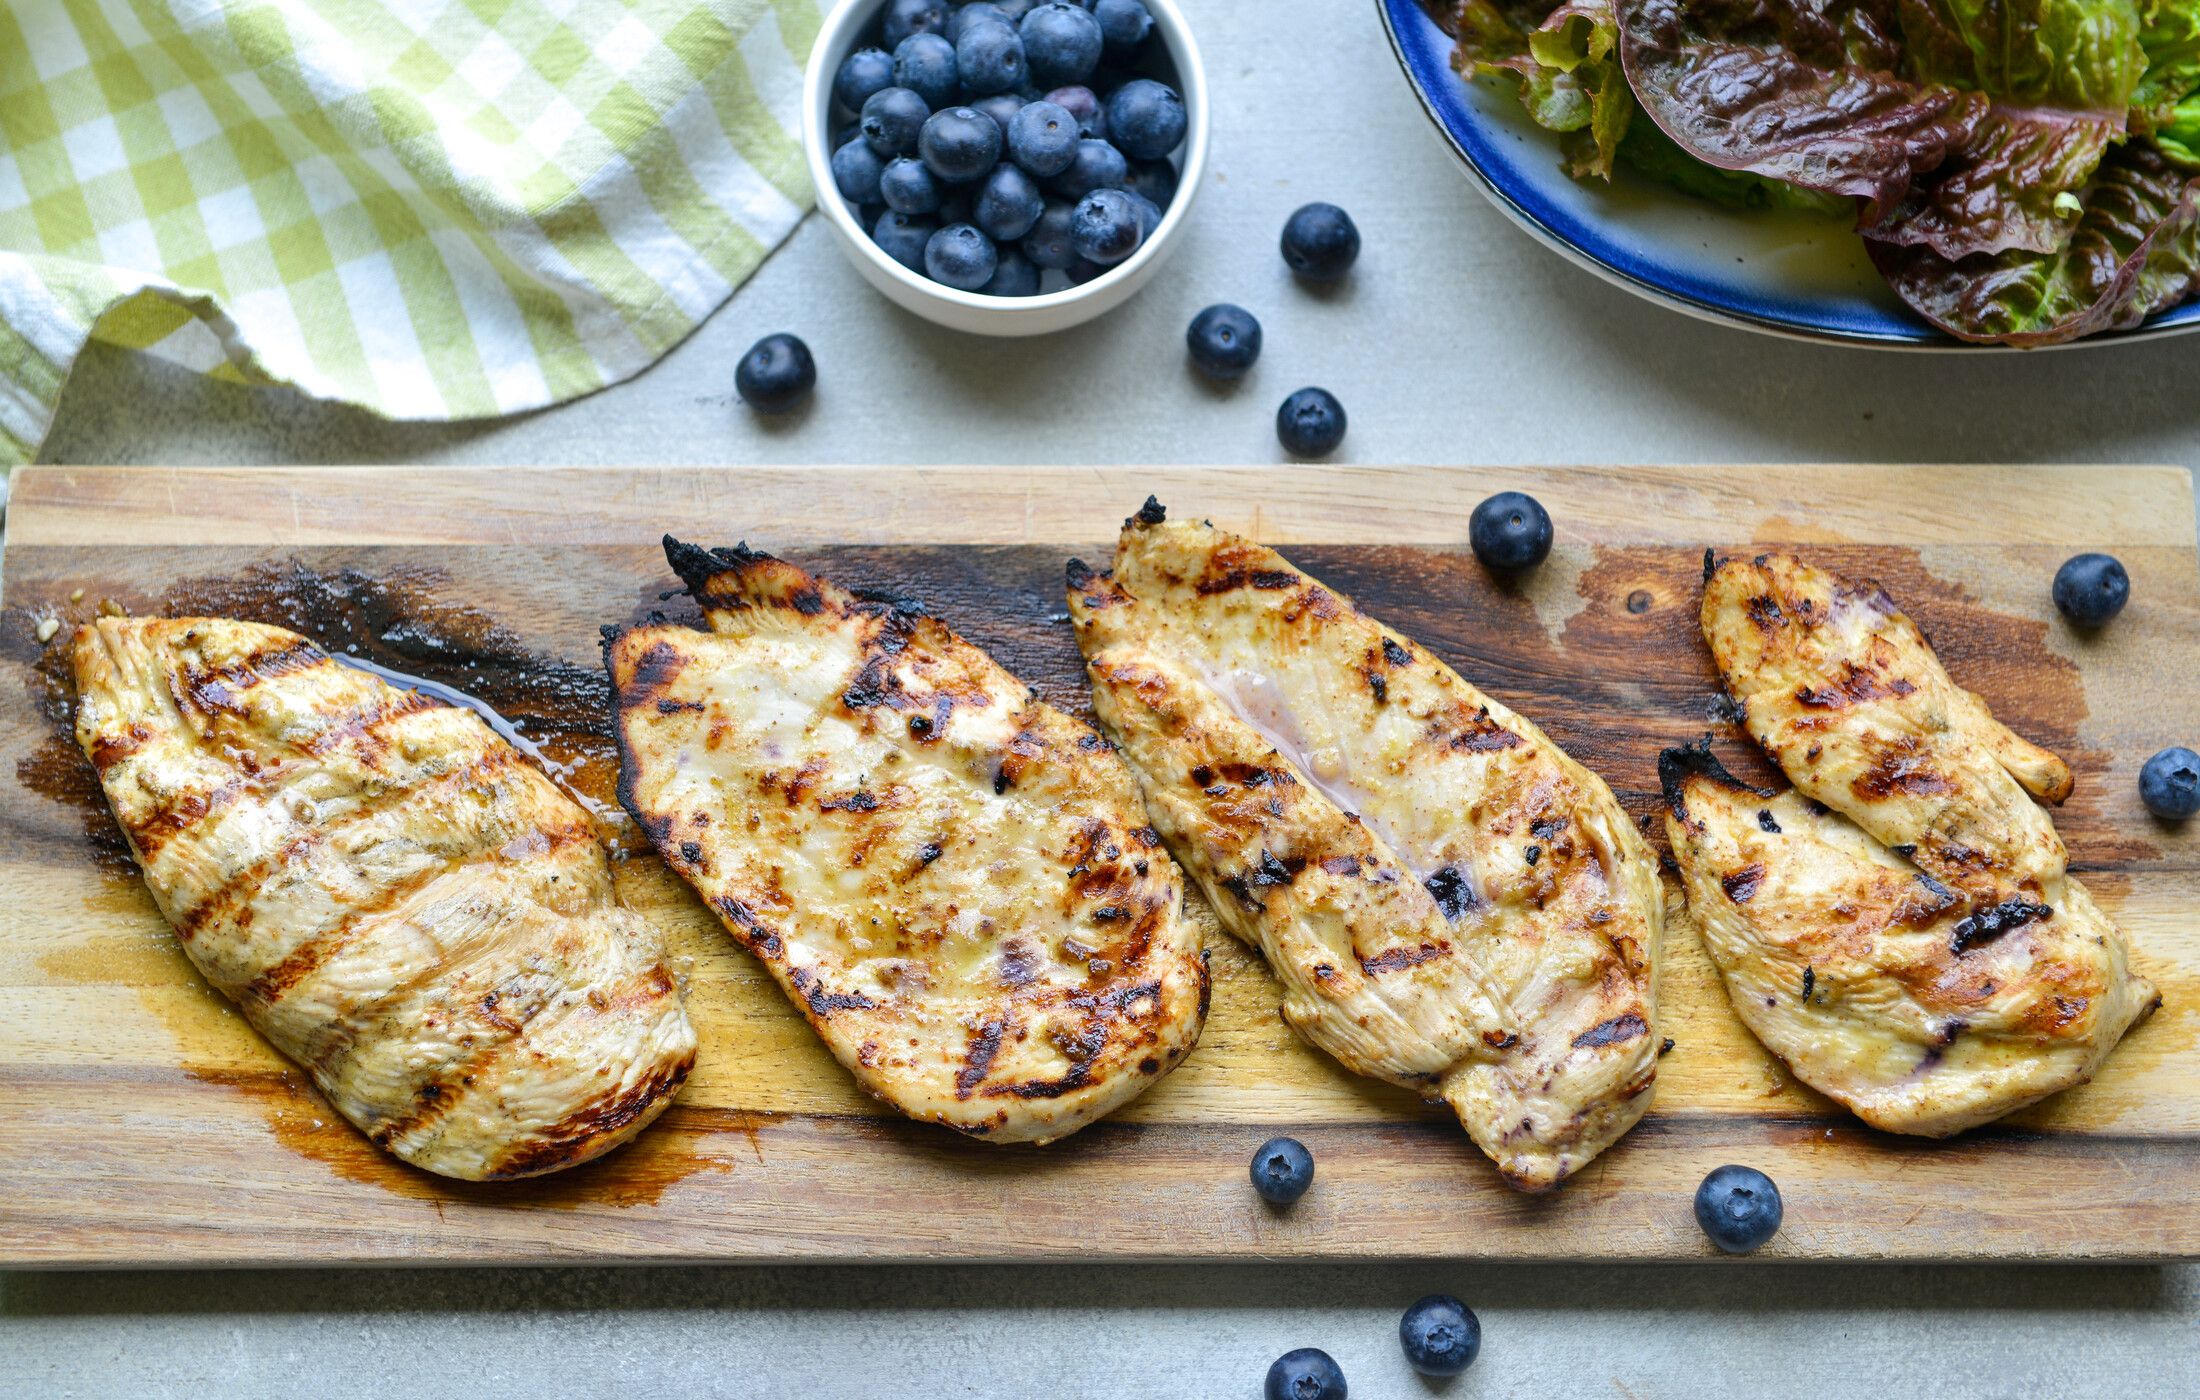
{"x":951,"y":879}
{"x":1449,"y":902}
{"x":1900,"y":929}
{"x":390,"y":893}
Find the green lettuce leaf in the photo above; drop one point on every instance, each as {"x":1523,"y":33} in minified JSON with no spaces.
{"x":2169,"y":33}
{"x":1651,"y":153}
{"x":1565,"y":62}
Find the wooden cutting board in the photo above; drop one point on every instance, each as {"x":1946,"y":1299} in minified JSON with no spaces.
{"x":144,"y":1123}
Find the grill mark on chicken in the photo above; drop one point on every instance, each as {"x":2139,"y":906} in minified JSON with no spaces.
{"x":303,"y":821}
{"x":1617,"y":1031}
{"x":951,"y":880}
{"x":566,"y":1142}
{"x":1398,"y":959}
{"x":223,"y":901}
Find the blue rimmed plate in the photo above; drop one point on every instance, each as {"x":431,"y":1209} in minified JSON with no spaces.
{"x":1787,"y":274}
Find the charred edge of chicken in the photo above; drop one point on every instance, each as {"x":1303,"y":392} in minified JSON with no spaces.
{"x":1677,"y":765}
{"x":696,"y":565}
{"x":1151,"y":513}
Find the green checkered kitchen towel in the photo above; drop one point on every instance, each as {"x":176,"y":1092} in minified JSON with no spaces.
{"x":429,"y":208}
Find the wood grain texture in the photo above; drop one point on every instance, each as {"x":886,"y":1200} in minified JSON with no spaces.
{"x":146,"y":1124}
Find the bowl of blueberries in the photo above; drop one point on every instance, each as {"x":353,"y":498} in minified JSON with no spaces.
{"x":1006,"y":167}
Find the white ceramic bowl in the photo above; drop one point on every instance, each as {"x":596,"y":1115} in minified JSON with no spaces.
{"x":969,"y":311}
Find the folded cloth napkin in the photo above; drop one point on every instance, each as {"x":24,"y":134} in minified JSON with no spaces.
{"x":428,"y":208}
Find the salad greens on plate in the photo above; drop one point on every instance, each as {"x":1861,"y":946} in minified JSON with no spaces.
{"x":2023,"y":172}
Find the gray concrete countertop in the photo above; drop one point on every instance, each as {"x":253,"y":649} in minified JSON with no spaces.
{"x":1458,"y":340}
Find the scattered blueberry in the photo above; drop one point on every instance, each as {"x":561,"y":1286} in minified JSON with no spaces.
{"x":925,"y":64}
{"x":2091,"y":588}
{"x":1441,"y":1335}
{"x":907,"y":187}
{"x":990,"y":59}
{"x":902,"y":237}
{"x":1320,"y":242}
{"x":1224,"y":341}
{"x":1048,"y":245}
{"x":1002,"y":107}
{"x":1042,"y":138}
{"x":1083,"y":104}
{"x":1510,"y":532}
{"x":1061,"y":44}
{"x":1007,"y":204}
{"x":1282,"y":1170}
{"x":862,"y":73}
{"x":776,"y":374}
{"x":1104,"y":228}
{"x":907,"y":17}
{"x":1306,"y":1374}
{"x":1310,"y":423}
{"x":2170,"y":784}
{"x":1739,"y":1208}
{"x":1155,"y":179}
{"x":856,"y":168}
{"x":892,"y":117}
{"x":1124,"y":24}
{"x":964,"y":18}
{"x":1094,"y":165}
{"x":1146,"y":119}
{"x":960,"y":144}
{"x":1013,"y":276}
{"x":960,"y":256}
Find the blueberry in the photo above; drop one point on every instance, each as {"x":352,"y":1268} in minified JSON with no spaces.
{"x":1008,"y":203}
{"x":1224,"y":341}
{"x":1013,"y":276}
{"x":856,"y":168}
{"x":1002,"y":107}
{"x":1146,"y":119}
{"x":1320,"y":242}
{"x":960,"y":144}
{"x":1124,"y":24}
{"x":1094,"y":165}
{"x":868,"y":215}
{"x":902,"y":237}
{"x":1305,"y":1374}
{"x":1510,"y":532}
{"x":1739,"y":1208}
{"x":1048,"y":245}
{"x":925,"y":64}
{"x":907,"y":187}
{"x":862,"y":73}
{"x":776,"y":374}
{"x":1310,"y":423}
{"x":1061,"y":43}
{"x":907,"y":17}
{"x":960,"y":256}
{"x":843,"y":135}
{"x":1083,"y":104}
{"x":990,"y":58}
{"x":1042,"y":138}
{"x":1155,"y":179}
{"x":958,"y":203}
{"x":1441,"y":1335}
{"x":1014,"y":9}
{"x":1104,"y":228}
{"x":2091,"y":588}
{"x":1084,"y":270}
{"x":970,"y":16}
{"x":2170,"y":784}
{"x":1282,"y":1170}
{"x":892,"y":117}
{"x":1148,"y":213}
